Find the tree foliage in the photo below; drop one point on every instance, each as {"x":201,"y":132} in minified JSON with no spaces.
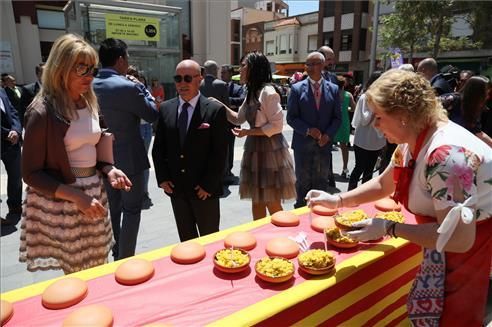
{"x":425,"y":26}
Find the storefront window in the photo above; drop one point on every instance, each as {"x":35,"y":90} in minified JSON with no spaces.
{"x":94,"y":21}
{"x":50,"y":19}
{"x":154,"y":35}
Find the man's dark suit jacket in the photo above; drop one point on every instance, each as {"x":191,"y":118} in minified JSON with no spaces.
{"x":329,"y":76}
{"x":29,"y":91}
{"x":15,"y":99}
{"x":440,"y":85}
{"x":10,"y":121}
{"x":201,"y":161}
{"x":302,"y":113}
{"x":236,"y":95}
{"x":213,"y":87}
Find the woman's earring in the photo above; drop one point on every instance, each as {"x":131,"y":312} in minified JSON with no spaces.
{"x":403,"y":123}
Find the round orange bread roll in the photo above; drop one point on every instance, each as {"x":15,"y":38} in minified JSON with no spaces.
{"x":323,"y":211}
{"x":319,"y":224}
{"x":188,"y":253}
{"x":285,"y":219}
{"x":134,"y":271}
{"x":64,"y":293}
{"x":282,"y":247}
{"x":240,"y":240}
{"x":91,"y":315}
{"x":6,"y":311}
{"x":387,"y":204}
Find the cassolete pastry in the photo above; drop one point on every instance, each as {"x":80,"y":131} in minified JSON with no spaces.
{"x":316,"y":258}
{"x":391,"y":215}
{"x":334,"y":234}
{"x":347,"y":219}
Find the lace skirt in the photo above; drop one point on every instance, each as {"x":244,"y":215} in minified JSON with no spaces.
{"x":267,"y":170}
{"x":56,"y":235}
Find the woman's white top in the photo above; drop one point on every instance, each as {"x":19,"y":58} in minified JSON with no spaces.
{"x":366,"y":136}
{"x":81,"y":139}
{"x":270,"y":117}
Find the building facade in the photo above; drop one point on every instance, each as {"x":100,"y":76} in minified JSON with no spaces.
{"x":344,"y":27}
{"x":159,"y":32}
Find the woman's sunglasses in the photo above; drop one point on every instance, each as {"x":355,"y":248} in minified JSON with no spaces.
{"x":186,"y":78}
{"x":83,"y":70}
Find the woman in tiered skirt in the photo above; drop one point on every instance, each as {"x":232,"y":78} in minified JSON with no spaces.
{"x":65,"y":222}
{"x":267,"y":170}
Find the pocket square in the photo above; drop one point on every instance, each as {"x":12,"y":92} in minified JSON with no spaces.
{"x":204,"y":126}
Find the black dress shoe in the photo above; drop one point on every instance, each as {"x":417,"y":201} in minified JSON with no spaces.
{"x":5,"y":222}
{"x":147,"y":202}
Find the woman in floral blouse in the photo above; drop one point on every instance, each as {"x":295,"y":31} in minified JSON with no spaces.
{"x":443,"y":174}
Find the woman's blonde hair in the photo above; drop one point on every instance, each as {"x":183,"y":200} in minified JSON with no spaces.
{"x":67,"y":51}
{"x":409,"y":94}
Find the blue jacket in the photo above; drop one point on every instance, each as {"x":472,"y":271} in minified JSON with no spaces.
{"x":302,"y":113}
{"x":123,"y":103}
{"x":10,"y":121}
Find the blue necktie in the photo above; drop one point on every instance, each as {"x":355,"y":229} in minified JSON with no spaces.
{"x":183,"y":122}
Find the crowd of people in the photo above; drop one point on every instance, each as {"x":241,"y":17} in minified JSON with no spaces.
{"x":86,"y":132}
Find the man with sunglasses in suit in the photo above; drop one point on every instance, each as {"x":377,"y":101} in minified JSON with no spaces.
{"x":123,"y":103}
{"x":189,"y":154}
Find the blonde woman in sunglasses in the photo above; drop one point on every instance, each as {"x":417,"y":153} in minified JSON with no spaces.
{"x":65,"y":221}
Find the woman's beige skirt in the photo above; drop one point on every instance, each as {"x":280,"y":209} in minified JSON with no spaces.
{"x":267,"y":170}
{"x":56,"y":235}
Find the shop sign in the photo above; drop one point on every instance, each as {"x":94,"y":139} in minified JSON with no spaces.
{"x":137,"y":28}
{"x":396,"y":57}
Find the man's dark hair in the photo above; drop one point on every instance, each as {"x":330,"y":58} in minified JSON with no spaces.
{"x":38,"y":68}
{"x":228,"y":68}
{"x":110,"y":50}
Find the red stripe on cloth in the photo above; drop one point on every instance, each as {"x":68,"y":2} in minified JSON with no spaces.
{"x":311,"y":305}
{"x":397,"y":321}
{"x":388,"y":310}
{"x":367,"y":302}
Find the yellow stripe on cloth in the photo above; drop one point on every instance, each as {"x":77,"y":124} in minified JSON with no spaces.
{"x":110,"y":268}
{"x":364,"y":316}
{"x":361,"y":292}
{"x":262,"y":310}
{"x":393,"y":315}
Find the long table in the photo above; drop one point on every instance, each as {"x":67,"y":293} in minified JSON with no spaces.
{"x":369,"y":287}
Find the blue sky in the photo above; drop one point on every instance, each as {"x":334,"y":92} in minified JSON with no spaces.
{"x":297,"y":7}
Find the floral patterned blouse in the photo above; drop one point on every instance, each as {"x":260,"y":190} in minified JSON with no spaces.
{"x":454,"y":164}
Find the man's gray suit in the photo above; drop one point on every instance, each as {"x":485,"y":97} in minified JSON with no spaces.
{"x":123,"y":103}
{"x":214,"y":87}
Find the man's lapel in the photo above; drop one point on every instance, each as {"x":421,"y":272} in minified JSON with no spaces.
{"x":325,"y":94}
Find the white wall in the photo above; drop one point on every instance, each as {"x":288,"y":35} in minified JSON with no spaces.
{"x":29,"y":46}
{"x":8,"y":36}
{"x":304,"y":32}
{"x":211,"y":31}
{"x":329,"y":24}
{"x":47,"y":35}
